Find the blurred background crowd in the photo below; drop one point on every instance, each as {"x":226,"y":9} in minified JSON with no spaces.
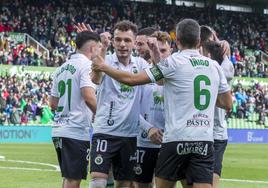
{"x":24,"y":99}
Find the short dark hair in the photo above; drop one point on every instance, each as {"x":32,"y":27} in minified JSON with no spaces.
{"x":188,"y":32}
{"x":126,"y":25}
{"x":206,"y":33}
{"x":215,"y":49}
{"x":147,"y":31}
{"x":86,"y":36}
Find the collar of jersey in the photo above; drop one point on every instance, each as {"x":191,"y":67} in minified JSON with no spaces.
{"x":190,"y":52}
{"x":79,"y":56}
{"x":115,"y":59}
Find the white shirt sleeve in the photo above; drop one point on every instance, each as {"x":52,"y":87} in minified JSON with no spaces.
{"x":85,"y":80}
{"x":223,"y":86}
{"x":145,"y":125}
{"x":228,"y":69}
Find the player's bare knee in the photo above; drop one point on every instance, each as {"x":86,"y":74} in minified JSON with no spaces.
{"x":99,"y":175}
{"x":142,"y":185}
{"x":71,"y":183}
{"x":202,"y":185}
{"x":123,"y":184}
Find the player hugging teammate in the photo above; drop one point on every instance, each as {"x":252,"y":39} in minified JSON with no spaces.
{"x":157,"y":99}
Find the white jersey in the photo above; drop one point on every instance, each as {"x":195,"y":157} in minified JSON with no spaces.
{"x":192,"y":83}
{"x":73,"y":117}
{"x":220,"y":124}
{"x":118,"y":105}
{"x":152,"y":110}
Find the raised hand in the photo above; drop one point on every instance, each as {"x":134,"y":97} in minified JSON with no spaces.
{"x":98,"y":64}
{"x":105,"y":39}
{"x":153,"y":45}
{"x":83,"y":27}
{"x":226,"y":48}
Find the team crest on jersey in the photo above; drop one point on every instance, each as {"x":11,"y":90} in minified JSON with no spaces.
{"x":158,"y":99}
{"x":98,"y":160}
{"x":144,"y":134}
{"x":138,"y":170}
{"x":134,"y":69}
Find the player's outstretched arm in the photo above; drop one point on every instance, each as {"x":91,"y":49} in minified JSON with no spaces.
{"x":96,"y":77}
{"x":224,"y":100}
{"x":121,"y":76}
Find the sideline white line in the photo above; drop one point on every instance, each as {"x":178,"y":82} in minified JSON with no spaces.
{"x":246,"y":181}
{"x":57,"y":168}
{"x":30,"y":169}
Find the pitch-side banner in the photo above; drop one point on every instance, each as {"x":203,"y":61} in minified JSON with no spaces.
{"x":25,"y":134}
{"x":248,"y":135}
{"x":42,"y":134}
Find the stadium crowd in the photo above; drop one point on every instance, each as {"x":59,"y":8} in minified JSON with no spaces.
{"x":248,"y":101}
{"x":52,"y":24}
{"x":24,"y":99}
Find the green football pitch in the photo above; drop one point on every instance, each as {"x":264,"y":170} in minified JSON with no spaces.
{"x":34,"y":166}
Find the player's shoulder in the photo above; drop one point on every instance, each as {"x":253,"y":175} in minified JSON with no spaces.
{"x":138,"y":59}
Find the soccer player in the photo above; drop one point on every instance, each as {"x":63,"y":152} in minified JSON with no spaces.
{"x":73,"y":98}
{"x":141,"y":42}
{"x":117,"y":117}
{"x":193,"y":85}
{"x":152,"y":110}
{"x":219,"y":51}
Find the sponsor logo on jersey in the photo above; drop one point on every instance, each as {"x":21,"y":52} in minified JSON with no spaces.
{"x":185,"y":148}
{"x":127,"y":92}
{"x":158,"y":99}
{"x":110,"y":121}
{"x":126,"y":88}
{"x":199,"y":120}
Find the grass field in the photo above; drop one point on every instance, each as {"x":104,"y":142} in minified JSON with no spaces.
{"x":242,"y":162}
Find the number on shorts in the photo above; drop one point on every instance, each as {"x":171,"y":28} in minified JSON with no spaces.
{"x":88,"y":154}
{"x":101,"y":145}
{"x":140,"y":154}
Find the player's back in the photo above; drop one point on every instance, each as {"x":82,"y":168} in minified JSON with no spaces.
{"x":192,"y":82}
{"x":72,"y":118}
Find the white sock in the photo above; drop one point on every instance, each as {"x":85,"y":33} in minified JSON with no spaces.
{"x":98,"y":183}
